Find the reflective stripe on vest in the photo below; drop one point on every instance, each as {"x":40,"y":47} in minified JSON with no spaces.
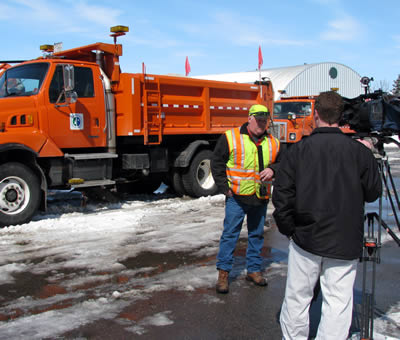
{"x":242,"y":166}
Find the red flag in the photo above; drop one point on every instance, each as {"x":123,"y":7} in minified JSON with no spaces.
{"x":260,"y":58}
{"x":187,"y":66}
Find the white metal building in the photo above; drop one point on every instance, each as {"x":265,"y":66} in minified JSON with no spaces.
{"x":301,"y":80}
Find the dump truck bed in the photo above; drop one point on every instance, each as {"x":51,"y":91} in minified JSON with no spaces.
{"x":165,"y":105}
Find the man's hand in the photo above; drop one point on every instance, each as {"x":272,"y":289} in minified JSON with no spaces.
{"x":267,"y":174}
{"x":367,"y":143}
{"x":229,"y":193}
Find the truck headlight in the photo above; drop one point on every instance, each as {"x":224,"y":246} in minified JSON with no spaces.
{"x":292,"y":136}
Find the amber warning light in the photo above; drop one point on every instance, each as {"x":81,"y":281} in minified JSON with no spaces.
{"x":119,"y":29}
{"x":47,"y":48}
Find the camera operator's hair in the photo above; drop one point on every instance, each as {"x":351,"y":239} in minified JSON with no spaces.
{"x":330,"y":106}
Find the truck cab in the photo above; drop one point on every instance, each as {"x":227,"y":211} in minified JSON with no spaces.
{"x":293,"y":118}
{"x":51,"y":109}
{"x":39,"y":112}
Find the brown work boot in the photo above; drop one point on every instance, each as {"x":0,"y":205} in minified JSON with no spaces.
{"x":256,"y":278}
{"x":222,"y":284}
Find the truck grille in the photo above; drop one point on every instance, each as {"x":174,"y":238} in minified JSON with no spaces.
{"x":279,"y":131}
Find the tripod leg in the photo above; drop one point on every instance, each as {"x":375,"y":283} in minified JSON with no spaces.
{"x":390,"y":232}
{"x":393,"y":185}
{"x":367,"y":308}
{"x":390,"y":195}
{"x":371,"y":255}
{"x":387,"y":228}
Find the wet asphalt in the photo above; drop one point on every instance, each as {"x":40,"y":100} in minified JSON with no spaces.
{"x":247,"y":311}
{"x":252,"y":312}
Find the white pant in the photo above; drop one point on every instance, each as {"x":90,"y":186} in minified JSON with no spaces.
{"x":337,"y":280}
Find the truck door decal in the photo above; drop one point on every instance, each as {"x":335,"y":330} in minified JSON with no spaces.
{"x":76,"y":121}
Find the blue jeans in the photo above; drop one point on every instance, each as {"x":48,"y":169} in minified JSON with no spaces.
{"x":235,"y":212}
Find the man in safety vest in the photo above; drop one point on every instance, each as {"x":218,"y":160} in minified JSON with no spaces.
{"x":242,"y":167}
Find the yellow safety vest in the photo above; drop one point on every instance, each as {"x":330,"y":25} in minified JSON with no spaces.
{"x":243,"y":168}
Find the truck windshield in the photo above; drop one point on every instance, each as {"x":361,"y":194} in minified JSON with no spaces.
{"x":283,"y":109}
{"x":23,"y":80}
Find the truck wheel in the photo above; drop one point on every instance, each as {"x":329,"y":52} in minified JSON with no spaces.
{"x":19,"y":194}
{"x":177,"y":183}
{"x":198,"y":180}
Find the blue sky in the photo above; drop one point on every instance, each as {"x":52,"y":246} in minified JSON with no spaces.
{"x":217,"y":36}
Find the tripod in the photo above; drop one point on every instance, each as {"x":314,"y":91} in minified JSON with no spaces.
{"x":371,"y":250}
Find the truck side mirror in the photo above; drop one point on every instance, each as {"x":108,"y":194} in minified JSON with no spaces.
{"x":71,"y":97}
{"x":291,"y":116}
{"x":69,"y":77}
{"x":69,"y":84}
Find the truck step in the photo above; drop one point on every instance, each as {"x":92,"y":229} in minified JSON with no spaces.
{"x":95,"y":183}
{"x":83,"y":156}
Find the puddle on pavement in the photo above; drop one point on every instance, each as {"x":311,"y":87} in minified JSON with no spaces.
{"x":163,"y":261}
{"x":39,"y":286}
{"x":25,"y":284}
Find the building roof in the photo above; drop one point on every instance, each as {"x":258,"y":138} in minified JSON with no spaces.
{"x":301,"y":80}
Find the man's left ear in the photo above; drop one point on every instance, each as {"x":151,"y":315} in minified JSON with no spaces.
{"x":316,"y":115}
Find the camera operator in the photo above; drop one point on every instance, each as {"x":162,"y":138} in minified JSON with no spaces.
{"x":319,"y":196}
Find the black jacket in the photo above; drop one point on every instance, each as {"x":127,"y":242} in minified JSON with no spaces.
{"x":218,"y":167}
{"x":320,"y":190}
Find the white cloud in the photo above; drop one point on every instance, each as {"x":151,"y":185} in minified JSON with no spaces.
{"x":242,"y":31}
{"x":39,"y":11}
{"x":101,"y":15}
{"x":61,"y":16}
{"x":5,"y":11}
{"x":190,"y":53}
{"x":343,"y":29}
{"x":154,"y":41}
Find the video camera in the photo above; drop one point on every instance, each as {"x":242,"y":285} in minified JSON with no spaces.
{"x":376,"y":113}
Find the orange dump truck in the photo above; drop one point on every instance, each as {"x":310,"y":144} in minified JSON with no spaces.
{"x":294,"y":119}
{"x":72,"y":119}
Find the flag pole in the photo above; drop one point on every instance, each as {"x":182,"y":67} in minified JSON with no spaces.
{"x":260,"y":62}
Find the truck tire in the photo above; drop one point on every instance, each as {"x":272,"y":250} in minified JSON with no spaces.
{"x":198,"y":180}
{"x":19,"y":194}
{"x":177,"y":183}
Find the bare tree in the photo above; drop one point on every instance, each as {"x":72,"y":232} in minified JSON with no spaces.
{"x":396,"y":86}
{"x":383,"y":85}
